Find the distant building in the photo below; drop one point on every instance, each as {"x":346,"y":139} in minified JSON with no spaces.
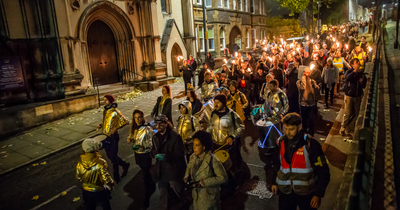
{"x":228,"y":22}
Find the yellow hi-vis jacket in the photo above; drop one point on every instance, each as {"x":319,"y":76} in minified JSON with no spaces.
{"x":338,"y":63}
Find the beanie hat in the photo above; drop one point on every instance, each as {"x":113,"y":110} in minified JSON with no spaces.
{"x":110,"y":98}
{"x":91,"y":145}
{"x":221,"y":98}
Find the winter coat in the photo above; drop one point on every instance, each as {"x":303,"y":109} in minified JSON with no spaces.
{"x":187,"y":71}
{"x":173,"y":165}
{"x":166,"y":110}
{"x":278,"y":74}
{"x":193,"y":65}
{"x":316,"y":76}
{"x":329,"y":76}
{"x":353,"y":87}
{"x":196,"y":105}
{"x":316,"y":158}
{"x":201,"y":76}
{"x":92,"y":172}
{"x":292,"y":91}
{"x":213,"y":174}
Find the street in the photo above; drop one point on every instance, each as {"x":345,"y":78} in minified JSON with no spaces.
{"x":50,"y":180}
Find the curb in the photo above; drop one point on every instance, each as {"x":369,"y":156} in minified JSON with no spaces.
{"x":89,"y":135}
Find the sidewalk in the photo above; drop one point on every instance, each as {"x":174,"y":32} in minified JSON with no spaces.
{"x":34,"y":144}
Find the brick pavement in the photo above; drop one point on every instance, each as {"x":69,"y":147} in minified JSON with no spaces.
{"x":32,"y":145}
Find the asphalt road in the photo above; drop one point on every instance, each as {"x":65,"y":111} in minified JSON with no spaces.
{"x":48,"y":181}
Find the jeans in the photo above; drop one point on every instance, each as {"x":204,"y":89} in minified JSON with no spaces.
{"x":186,"y":81}
{"x":194,"y":80}
{"x":329,"y":91}
{"x":308,"y":114}
{"x":352,"y":108}
{"x":110,"y":144}
{"x":164,"y":186}
{"x":292,"y":200}
{"x":91,"y":199}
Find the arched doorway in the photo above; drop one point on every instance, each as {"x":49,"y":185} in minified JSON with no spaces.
{"x":235,"y":37}
{"x":102,"y":54}
{"x":176,"y":51}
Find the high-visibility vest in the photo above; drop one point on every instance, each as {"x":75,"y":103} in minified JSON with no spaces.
{"x":338,"y":63}
{"x":297,"y":176}
{"x":361,"y":59}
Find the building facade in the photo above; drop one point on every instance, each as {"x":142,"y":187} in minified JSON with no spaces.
{"x":228,"y":22}
{"x":54,"y":52}
{"x":68,"y":46}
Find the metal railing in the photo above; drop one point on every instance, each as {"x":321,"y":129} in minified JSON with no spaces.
{"x":128,"y":77}
{"x":362,"y":182}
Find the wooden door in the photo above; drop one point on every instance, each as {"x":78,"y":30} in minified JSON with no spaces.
{"x":102,"y":55}
{"x":176,"y":51}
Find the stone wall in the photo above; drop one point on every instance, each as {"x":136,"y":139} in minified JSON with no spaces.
{"x":19,"y":118}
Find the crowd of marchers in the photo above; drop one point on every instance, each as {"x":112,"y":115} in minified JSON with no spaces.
{"x":276,"y":86}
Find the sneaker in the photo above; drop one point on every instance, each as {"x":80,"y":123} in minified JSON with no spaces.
{"x":125,"y":170}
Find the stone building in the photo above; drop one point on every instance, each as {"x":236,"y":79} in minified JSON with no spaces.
{"x":66,"y":47}
{"x":229,"y":21}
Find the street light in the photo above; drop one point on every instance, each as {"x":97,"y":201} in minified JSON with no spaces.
{"x":318,"y":21}
{"x":396,"y":43}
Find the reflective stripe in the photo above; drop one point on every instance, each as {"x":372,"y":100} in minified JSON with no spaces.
{"x":297,"y":170}
{"x":338,"y":63}
{"x":295,"y":182}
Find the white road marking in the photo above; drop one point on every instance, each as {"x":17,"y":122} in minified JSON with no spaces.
{"x":249,"y":164}
{"x":53,"y":198}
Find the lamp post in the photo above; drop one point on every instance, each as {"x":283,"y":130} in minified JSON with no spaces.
{"x":205,"y":32}
{"x":318,"y":20}
{"x":396,"y":43}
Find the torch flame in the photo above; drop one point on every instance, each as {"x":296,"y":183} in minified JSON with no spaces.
{"x":312,"y":40}
{"x":312,"y":66}
{"x":307,"y":37}
{"x":337,"y":44}
{"x":333,"y":39}
{"x":256,"y":40}
{"x":225,"y":61}
{"x":249,"y":69}
{"x":208,"y":70}
{"x":233,"y":61}
{"x":235,"y":54}
{"x":270,"y":58}
{"x":369,"y":49}
{"x":347,"y":46}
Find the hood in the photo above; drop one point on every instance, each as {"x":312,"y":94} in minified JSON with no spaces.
{"x":89,"y":160}
{"x":113,"y":105}
{"x":187,"y":105}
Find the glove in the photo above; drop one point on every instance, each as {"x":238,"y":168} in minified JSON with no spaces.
{"x":160,"y":157}
{"x":136,"y":147}
{"x":107,"y":187}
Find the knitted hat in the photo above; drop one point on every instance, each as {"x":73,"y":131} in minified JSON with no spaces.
{"x":91,"y":145}
{"x":110,"y":98}
{"x":221,"y":98}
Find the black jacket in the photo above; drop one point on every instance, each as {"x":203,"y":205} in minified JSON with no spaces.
{"x":187,"y":71}
{"x":193,"y":65}
{"x":201,"y":76}
{"x":278,"y":75}
{"x":292,"y":91}
{"x":167,"y":109}
{"x":317,"y":159}
{"x":173,"y":166}
{"x":352,"y":86}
